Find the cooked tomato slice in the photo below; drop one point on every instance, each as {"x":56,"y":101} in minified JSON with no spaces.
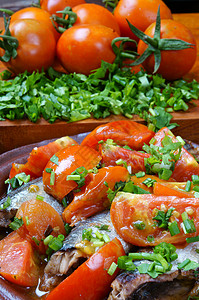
{"x":130,"y":210}
{"x":186,"y":166}
{"x":142,"y":182}
{"x":37,"y":217}
{"x":68,"y":160}
{"x":172,"y":189}
{"x":111,"y":154}
{"x":122,"y":132}
{"x":18,"y":262}
{"x":94,"y":198}
{"x":39,"y":157}
{"x":91,"y":280}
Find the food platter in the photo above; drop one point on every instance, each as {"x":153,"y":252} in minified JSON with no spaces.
{"x":17,"y":133}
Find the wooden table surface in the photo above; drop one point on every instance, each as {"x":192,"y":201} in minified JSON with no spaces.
{"x":14,"y":134}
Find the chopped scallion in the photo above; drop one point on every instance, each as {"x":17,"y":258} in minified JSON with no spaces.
{"x":112,"y":268}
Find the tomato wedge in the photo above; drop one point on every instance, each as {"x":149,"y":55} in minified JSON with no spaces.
{"x":130,"y":210}
{"x":94,"y":198}
{"x":68,"y":160}
{"x":91,"y":280}
{"x":39,"y":157}
{"x":186,"y":166}
{"x":18,"y":262}
{"x":172,"y":189}
{"x":111,"y":154}
{"x":139,"y":181}
{"x":122,"y":132}
{"x":37,"y":217}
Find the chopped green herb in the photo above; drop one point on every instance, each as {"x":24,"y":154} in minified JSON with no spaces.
{"x":39,"y":197}
{"x":140,"y":174}
{"x":162,"y":218}
{"x":112,"y":268}
{"x":52,"y":178}
{"x":48,"y":170}
{"x":37,"y":242}
{"x":173,"y":228}
{"x":55,"y":160}
{"x":149,"y":182}
{"x":18,"y":180}
{"x":67,"y":228}
{"x":16,"y":224}
{"x":140,"y":225}
{"x":150,"y":238}
{"x":6,"y":204}
{"x":121,"y":162}
{"x":192,"y":239}
{"x":195,"y":179}
{"x":188,"y":186}
{"x":65,"y":201}
{"x":79,"y":176}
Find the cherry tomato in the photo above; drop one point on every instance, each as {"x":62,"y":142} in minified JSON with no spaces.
{"x":174,"y":63}
{"x":91,"y":280}
{"x":127,"y":210}
{"x":111,"y":154}
{"x":18,"y":262}
{"x":81,"y":48}
{"x":94,"y":198}
{"x":186,"y":165}
{"x":36,"y":49}
{"x":91,"y":13}
{"x":37,"y":216}
{"x":68,"y":160}
{"x":141,"y":13}
{"x":52,"y":6}
{"x":36,"y":14}
{"x":122,"y":132}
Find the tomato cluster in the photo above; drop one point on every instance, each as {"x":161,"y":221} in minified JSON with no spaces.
{"x":82,"y":47}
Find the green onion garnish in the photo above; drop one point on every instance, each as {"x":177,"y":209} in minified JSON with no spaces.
{"x":73,"y":177}
{"x":55,"y":159}
{"x":39,"y":197}
{"x":195,"y":179}
{"x":184,"y":263}
{"x":140,"y":225}
{"x":37,"y":242}
{"x":149,"y":182}
{"x":48,"y":239}
{"x":121,"y":162}
{"x":140,"y":174}
{"x":173,"y":228}
{"x":112,"y":268}
{"x":188,"y":186}
{"x":52,"y":178}
{"x":67,"y":228}
{"x":16,"y":224}
{"x":48,"y":170}
{"x":192,"y":239}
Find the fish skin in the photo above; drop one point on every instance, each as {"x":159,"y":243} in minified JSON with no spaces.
{"x":132,"y":285}
{"x":23,"y":194}
{"x":99,"y":219}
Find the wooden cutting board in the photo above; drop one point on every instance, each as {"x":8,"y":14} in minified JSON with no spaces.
{"x":14,"y":134}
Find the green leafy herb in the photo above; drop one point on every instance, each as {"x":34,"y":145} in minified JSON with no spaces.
{"x":162,"y":218}
{"x":55,"y":160}
{"x":16,"y":224}
{"x":6,"y":204}
{"x":79,"y":176}
{"x":74,"y":97}
{"x":18,"y":180}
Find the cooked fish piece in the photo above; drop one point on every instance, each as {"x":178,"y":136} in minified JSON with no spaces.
{"x":26,"y":192}
{"x":63,"y":262}
{"x":176,"y":284}
{"x":193,"y":148}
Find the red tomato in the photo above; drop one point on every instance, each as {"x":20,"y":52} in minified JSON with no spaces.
{"x":91,"y":280}
{"x":36,"y":14}
{"x":37,"y":216}
{"x":186,"y":165}
{"x":110,"y":154}
{"x":39,"y":157}
{"x":91,"y":13}
{"x":123,"y":132}
{"x":94,"y":198}
{"x":69,"y":160}
{"x":174,"y":63}
{"x":36,"y":49}
{"x":52,"y":6}
{"x":126,"y":209}
{"x":172,"y":189}
{"x":81,"y":48}
{"x":18,"y":263}
{"x":141,"y":13}
{"x":139,"y":182}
